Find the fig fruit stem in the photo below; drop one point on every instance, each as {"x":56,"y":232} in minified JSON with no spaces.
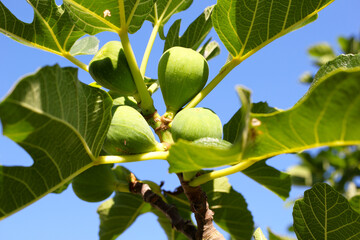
{"x":221,"y":173}
{"x":149,"y":48}
{"x":217,"y":79}
{"x":75,"y":61}
{"x":131,"y":158}
{"x":146,"y":100}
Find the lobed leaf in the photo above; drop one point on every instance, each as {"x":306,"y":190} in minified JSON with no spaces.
{"x":163,"y":10}
{"x":51,"y":30}
{"x":194,"y":35}
{"x":310,"y":123}
{"x":246,"y":26}
{"x":95,"y":16}
{"x":61,"y":123}
{"x":324,"y":213}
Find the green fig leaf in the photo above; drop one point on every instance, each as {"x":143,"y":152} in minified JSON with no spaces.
{"x":118,"y":213}
{"x":51,"y":30}
{"x":259,"y":235}
{"x":349,"y":45}
{"x":210,"y":49}
{"x":85,"y":46}
{"x":194,"y":35}
{"x":271,"y":178}
{"x":324,"y":213}
{"x":310,"y":123}
{"x":355,"y":203}
{"x":273,"y":236}
{"x":246,"y":26}
{"x":229,"y":205}
{"x":322,"y":50}
{"x":95,"y":16}
{"x":61,"y":123}
{"x":163,"y":10}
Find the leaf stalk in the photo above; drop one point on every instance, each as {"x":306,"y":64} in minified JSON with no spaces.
{"x":146,"y":100}
{"x":131,"y":158}
{"x":221,"y":173}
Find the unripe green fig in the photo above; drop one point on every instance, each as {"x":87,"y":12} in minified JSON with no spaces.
{"x":129,"y":133}
{"x":182,"y":73}
{"x":95,"y":184}
{"x":110,"y":69}
{"x":195,"y":123}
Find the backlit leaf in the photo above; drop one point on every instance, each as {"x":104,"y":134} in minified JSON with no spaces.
{"x":51,"y":30}
{"x":310,"y":123}
{"x":324,"y":213}
{"x":246,"y":26}
{"x":94,"y":16}
{"x":61,"y":123}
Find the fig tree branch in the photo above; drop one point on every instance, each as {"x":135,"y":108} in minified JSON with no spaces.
{"x":184,"y":226}
{"x":203,"y":214}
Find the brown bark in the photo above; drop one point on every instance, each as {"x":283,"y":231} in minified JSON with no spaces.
{"x":203,"y":214}
{"x":184,"y":226}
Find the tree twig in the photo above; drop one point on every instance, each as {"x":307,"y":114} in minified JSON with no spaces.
{"x":184,"y":226}
{"x":203,"y":214}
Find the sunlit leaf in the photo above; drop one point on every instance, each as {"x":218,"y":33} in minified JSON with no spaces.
{"x":259,"y":235}
{"x":61,"y":123}
{"x":163,"y":10}
{"x":326,"y":116}
{"x":51,"y":30}
{"x":210,"y":49}
{"x":325,"y":214}
{"x":246,"y":26}
{"x":85,"y":46}
{"x":94,"y":16}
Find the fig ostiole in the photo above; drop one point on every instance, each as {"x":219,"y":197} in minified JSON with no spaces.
{"x":195,"y":123}
{"x":110,"y":69}
{"x":129,"y":133}
{"x":182,"y":73}
{"x":95,"y":184}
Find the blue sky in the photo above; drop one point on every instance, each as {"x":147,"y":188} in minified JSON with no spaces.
{"x":272,"y":74}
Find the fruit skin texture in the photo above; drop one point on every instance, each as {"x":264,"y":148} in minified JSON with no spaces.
{"x":195,"y":123}
{"x":129,"y":133}
{"x":95,"y":184}
{"x":182,"y":73}
{"x":110,"y":69}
